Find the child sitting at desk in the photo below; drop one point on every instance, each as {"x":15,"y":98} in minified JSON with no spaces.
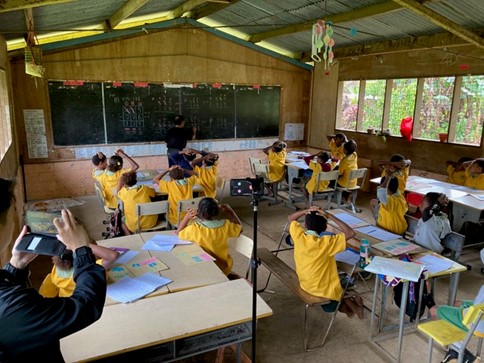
{"x":277,"y":159}
{"x":399,"y":167}
{"x":456,"y":171}
{"x":178,"y":188}
{"x":210,"y":232}
{"x":184,"y":158}
{"x":207,"y":173}
{"x":109,"y":179}
{"x":390,"y":208}
{"x":336,"y":145}
{"x":131,"y":195}
{"x":346,"y":165}
{"x":60,"y":281}
{"x":323,"y":162}
{"x":434,"y":224}
{"x":314,"y":251}
{"x":100,"y":162}
{"x":474,"y":173}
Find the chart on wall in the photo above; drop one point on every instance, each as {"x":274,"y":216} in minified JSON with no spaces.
{"x":128,"y":112}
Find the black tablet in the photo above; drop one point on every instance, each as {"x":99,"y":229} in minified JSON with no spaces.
{"x":41,"y":244}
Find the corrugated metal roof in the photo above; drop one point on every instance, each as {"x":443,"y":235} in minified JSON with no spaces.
{"x":251,"y":17}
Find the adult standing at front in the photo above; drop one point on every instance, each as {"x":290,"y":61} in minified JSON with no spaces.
{"x":177,"y":137}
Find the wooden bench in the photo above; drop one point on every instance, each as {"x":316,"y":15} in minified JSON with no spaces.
{"x":289,"y":278}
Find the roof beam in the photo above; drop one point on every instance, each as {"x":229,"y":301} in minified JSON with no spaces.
{"x":436,"y":41}
{"x":29,"y":24}
{"x":442,"y":21}
{"x":361,"y":13}
{"x":184,"y":7}
{"x":124,"y":11}
{"x":12,"y":5}
{"x":209,"y":9}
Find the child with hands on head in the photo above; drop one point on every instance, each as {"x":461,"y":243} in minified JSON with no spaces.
{"x":109,"y":179}
{"x":207,"y":173}
{"x":474,"y":170}
{"x":100,"y":162}
{"x":456,"y":171}
{"x":178,"y":188}
{"x":276,"y":154}
{"x":336,"y":145}
{"x":210,"y":232}
{"x":399,"y":167}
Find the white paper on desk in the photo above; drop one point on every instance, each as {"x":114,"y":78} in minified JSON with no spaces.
{"x":477,"y":196}
{"x":350,"y":220}
{"x":396,"y":268}
{"x":435,"y":264}
{"x":348,"y":256}
{"x":153,"y":280}
{"x":168,"y":239}
{"x":301,"y":164}
{"x":125,"y":257}
{"x":153,"y":246}
{"x":295,"y":152}
{"x":378,"y":233}
{"x":128,"y":290}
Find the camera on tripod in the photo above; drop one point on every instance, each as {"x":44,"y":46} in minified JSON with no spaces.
{"x":247,"y":187}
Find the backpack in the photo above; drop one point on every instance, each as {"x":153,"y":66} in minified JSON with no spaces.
{"x":412,"y":298}
{"x":115,"y":225}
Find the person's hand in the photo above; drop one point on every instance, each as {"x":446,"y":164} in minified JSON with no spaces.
{"x":191,"y":213}
{"x":21,"y":259}
{"x":100,"y":155}
{"x":224,"y":207}
{"x":173,"y":167}
{"x":71,"y":233}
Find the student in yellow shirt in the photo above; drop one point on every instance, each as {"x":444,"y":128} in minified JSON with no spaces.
{"x":109,"y":179}
{"x":60,"y":281}
{"x":456,"y":171}
{"x":399,"y":167}
{"x":276,"y":154}
{"x":100,"y":163}
{"x":323,"y":162}
{"x":391,"y":206}
{"x":133,"y":194}
{"x":474,"y":172}
{"x":336,"y":143}
{"x":314,"y":251}
{"x":346,"y":165}
{"x":178,"y":188}
{"x":210,"y":232}
{"x":207,"y":173}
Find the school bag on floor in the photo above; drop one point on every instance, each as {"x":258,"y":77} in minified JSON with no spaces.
{"x":115,"y":225}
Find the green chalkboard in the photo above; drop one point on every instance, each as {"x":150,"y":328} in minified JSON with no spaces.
{"x":115,"y":112}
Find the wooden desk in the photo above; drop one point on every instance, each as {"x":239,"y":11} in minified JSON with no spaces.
{"x":169,"y":322}
{"x":184,"y":276}
{"x":465,"y":207}
{"x":197,"y":188}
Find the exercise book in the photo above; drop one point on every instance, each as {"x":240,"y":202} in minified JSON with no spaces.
{"x":396,"y":268}
{"x":396,"y":248}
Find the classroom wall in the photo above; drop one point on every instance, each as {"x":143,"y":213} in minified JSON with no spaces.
{"x":176,"y":55}
{"x":425,"y":155}
{"x":9,"y":169}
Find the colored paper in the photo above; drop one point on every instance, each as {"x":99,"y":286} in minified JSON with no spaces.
{"x":118,"y":272}
{"x":191,"y":255}
{"x":396,"y":247}
{"x":151,"y":264}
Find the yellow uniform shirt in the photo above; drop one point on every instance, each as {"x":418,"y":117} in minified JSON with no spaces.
{"x":277,"y":162}
{"x":315,"y":263}
{"x":456,"y":177}
{"x":207,"y":176}
{"x":109,"y":181}
{"x":346,"y":165}
{"x":96,"y":173}
{"x":402,"y":176}
{"x":391,"y":215}
{"x":476,"y":182}
{"x":213,"y":240}
{"x":133,"y":196}
{"x":177,"y":190}
{"x":59,"y":283}
{"x":336,"y":151}
{"x":311,"y":184}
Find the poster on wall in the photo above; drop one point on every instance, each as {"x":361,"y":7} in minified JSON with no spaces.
{"x":294,"y":131}
{"x":35,"y":132}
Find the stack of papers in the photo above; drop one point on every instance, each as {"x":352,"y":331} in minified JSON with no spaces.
{"x":164,"y":243}
{"x":396,"y":247}
{"x":396,"y":268}
{"x":378,"y":233}
{"x":434,"y":264}
{"x":348,"y":256}
{"x":350,"y":220}
{"x":128,"y":290}
{"x":477,"y":196}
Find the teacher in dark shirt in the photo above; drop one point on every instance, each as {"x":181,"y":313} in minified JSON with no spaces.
{"x":177,"y":137}
{"x":31,"y":325}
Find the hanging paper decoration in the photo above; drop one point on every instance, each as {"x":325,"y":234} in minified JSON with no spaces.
{"x":322,"y":35}
{"x":353,"y":32}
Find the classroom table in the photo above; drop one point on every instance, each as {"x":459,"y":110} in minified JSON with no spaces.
{"x":197,"y":188}
{"x":295,"y":168}
{"x":169,"y":327}
{"x":184,"y":276}
{"x":467,"y":203}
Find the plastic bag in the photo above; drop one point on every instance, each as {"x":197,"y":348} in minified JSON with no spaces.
{"x":406,"y":127}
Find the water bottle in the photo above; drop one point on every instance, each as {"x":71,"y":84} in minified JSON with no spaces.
{"x":364,"y":253}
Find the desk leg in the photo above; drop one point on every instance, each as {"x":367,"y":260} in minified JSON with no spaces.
{"x":239,"y":351}
{"x":454,"y":283}
{"x":373,"y":309}
{"x":403,"y":305}
{"x":462,"y":214}
{"x":383,"y":303}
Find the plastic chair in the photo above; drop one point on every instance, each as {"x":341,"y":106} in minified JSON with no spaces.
{"x":101,"y":198}
{"x":253,"y":161}
{"x":328,"y":191}
{"x":445,"y":333}
{"x":183,"y":206}
{"x":360,"y":175}
{"x":153,"y":208}
{"x":220,"y":187}
{"x":245,"y":246}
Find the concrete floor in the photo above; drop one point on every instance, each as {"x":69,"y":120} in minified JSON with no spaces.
{"x":280,"y":337}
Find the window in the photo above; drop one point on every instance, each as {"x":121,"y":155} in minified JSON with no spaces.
{"x":450,"y":108}
{"x":5,"y":125}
